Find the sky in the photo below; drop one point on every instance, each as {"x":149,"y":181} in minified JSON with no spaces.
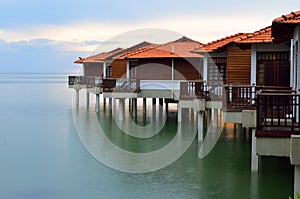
{"x":46,"y":36}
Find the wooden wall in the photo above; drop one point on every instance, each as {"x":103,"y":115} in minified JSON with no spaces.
{"x":238,"y":65}
{"x":155,"y":69}
{"x":93,"y":69}
{"x":187,"y":69}
{"x":119,"y":68}
{"x":160,"y":68}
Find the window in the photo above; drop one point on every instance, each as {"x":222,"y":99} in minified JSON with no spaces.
{"x":133,"y":67}
{"x":217,"y":69}
{"x":273,"y":69}
{"x":109,"y":71}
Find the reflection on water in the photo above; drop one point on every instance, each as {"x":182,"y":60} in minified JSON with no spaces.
{"x":43,"y":157}
{"x":93,"y":134}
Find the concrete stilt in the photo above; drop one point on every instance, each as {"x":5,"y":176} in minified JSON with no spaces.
{"x":179,"y":113}
{"x":167,"y":108}
{"x":240,"y":127}
{"x":216,"y":118}
{"x":87,"y":99}
{"x":296,"y":181}
{"x":161,"y":101}
{"x":114,"y":104}
{"x":104,"y":101}
{"x":192,"y":115}
{"x":144,"y":106}
{"x":97,"y":102}
{"x":209,"y":117}
{"x":110,"y":103}
{"x":153,"y":101}
{"x":121,"y":109}
{"x":200,"y":126}
{"x":130,"y":105}
{"x":77,"y":97}
{"x":134,"y":108}
{"x":254,"y":156}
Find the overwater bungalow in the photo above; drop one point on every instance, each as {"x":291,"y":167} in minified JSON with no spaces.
{"x":253,"y":77}
{"x":278,"y":114}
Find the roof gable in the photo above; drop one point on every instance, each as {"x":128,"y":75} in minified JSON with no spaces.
{"x":293,"y":17}
{"x":176,"y":49}
{"x":100,"y":57}
{"x":283,"y":27}
{"x":108,"y":56}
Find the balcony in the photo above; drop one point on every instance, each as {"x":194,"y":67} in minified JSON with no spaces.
{"x":198,"y":89}
{"x":278,"y":113}
{"x":239,"y":97}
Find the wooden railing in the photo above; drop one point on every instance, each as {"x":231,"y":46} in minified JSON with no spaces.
{"x":121,"y":85}
{"x":127,"y":85}
{"x":77,"y":80}
{"x":239,"y":96}
{"x":243,"y":96}
{"x":278,"y":113}
{"x":198,"y":89}
{"x":109,"y":85}
{"x":214,"y":89}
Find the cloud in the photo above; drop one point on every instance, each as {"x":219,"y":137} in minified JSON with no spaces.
{"x":201,"y":27}
{"x":39,"y":55}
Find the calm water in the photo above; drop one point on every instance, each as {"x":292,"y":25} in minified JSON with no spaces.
{"x":43,"y":157}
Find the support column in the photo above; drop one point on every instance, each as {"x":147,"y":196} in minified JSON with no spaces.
{"x":104,"y":70}
{"x":240,"y":127}
{"x":130,"y":105}
{"x":205,"y":67}
{"x":179,"y":113}
{"x":216,"y":119}
{"x":191,"y":115}
{"x":296,"y":181}
{"x":200,"y":126}
{"x":77,"y":97}
{"x":209,"y":117}
{"x":110,"y":103}
{"x":114,"y":104}
{"x":144,"y":106}
{"x":254,"y":156}
{"x":167,"y":108}
{"x":134,"y":108}
{"x":121,"y":109}
{"x":153,"y":101}
{"x":97,"y":103}
{"x":104,"y":101}
{"x":87,"y":99}
{"x":161,"y":101}
{"x":127,"y":69}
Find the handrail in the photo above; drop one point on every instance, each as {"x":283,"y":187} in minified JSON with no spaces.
{"x":199,"y":89}
{"x":278,"y":111}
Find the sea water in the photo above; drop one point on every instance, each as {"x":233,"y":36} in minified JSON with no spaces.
{"x":42,"y":156}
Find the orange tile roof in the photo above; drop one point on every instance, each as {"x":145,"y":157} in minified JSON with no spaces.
{"x":108,"y":56}
{"x":220,"y":43}
{"x":292,"y":18}
{"x":98,"y":57}
{"x":136,"y":51}
{"x":262,"y":36}
{"x":179,"y":48}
